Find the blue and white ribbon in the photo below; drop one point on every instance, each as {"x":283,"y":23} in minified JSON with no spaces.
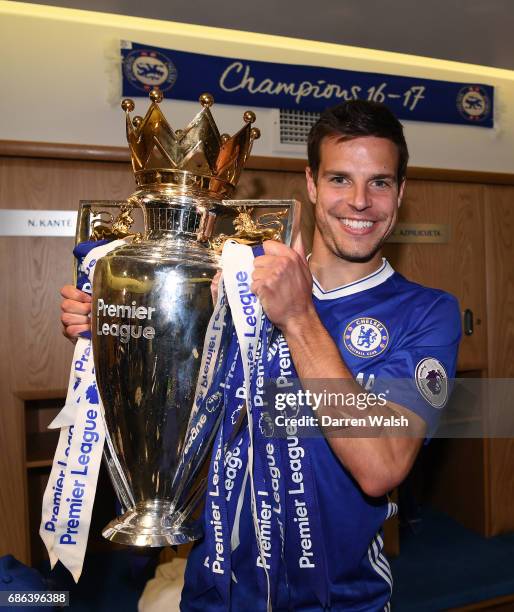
{"x":279,"y":471}
{"x":70,"y":492}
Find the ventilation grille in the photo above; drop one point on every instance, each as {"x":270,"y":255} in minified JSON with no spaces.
{"x":295,"y":126}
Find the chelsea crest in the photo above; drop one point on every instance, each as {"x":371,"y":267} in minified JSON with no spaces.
{"x":366,"y":337}
{"x":146,"y":69}
{"x":473,"y":103}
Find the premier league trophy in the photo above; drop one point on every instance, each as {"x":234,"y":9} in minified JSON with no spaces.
{"x":151,"y":308}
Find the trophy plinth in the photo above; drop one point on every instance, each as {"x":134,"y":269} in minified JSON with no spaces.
{"x":151,"y":524}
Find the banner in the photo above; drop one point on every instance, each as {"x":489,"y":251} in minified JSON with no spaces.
{"x":307,"y":88}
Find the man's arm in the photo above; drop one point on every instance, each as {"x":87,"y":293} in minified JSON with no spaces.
{"x":379,"y":463}
{"x":283,"y":283}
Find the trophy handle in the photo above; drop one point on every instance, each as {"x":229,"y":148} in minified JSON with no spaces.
{"x":255,"y":221}
{"x":106,"y":220}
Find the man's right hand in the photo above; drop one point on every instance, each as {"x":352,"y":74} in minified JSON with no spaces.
{"x":76,"y":307}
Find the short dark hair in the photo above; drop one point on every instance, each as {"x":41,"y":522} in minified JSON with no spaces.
{"x":355,"y":119}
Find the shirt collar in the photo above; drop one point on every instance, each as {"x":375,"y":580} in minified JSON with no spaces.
{"x":367,"y":282}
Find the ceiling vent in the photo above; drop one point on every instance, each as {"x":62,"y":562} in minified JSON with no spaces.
{"x":295,"y":126}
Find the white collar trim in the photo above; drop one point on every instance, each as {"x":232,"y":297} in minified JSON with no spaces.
{"x":368,"y":282}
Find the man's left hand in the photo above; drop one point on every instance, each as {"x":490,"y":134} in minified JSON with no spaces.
{"x":283,"y":283}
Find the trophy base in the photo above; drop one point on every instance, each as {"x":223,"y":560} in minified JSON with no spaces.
{"x":151,"y":524}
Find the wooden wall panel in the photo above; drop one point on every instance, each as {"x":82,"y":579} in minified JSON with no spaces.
{"x":501,"y":483}
{"x":13,"y":509}
{"x":446,"y":487}
{"x":457,"y":267}
{"x":499,"y":236}
{"x":35,"y":358}
{"x":38,"y":352}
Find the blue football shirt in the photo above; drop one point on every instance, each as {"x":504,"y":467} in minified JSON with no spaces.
{"x":385,"y":327}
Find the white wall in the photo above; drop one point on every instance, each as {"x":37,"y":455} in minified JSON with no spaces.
{"x":60,"y":76}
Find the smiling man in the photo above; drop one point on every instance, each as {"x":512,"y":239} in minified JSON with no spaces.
{"x":344,"y":320}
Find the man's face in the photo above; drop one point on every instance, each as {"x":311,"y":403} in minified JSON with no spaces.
{"x":356,"y":195}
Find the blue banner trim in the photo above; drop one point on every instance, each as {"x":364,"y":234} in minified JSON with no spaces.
{"x":308,"y":88}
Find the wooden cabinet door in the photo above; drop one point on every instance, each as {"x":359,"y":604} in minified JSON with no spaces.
{"x":457,"y":266}
{"x":499,"y":233}
{"x":35,"y":358}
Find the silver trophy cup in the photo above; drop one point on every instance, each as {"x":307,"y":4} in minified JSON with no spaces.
{"x":151,"y":308}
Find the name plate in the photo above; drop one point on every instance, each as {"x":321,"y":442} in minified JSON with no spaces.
{"x":38,"y":222}
{"x":428,"y":233}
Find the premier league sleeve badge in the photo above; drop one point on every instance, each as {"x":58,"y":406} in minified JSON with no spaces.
{"x":432,"y":381}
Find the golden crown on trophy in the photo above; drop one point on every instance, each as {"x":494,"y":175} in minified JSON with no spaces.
{"x":197,"y":160}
